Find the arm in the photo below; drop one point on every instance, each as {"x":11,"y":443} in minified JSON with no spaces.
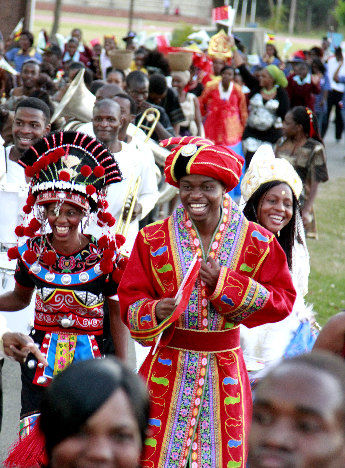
{"x":267,"y":296}
{"x":119,"y":331}
{"x":284,"y":102}
{"x":17,"y":299}
{"x":139,"y":298}
{"x":336,"y":73}
{"x":197,"y":116}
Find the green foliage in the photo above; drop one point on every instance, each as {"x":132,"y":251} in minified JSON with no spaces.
{"x":339,"y":12}
{"x":278,"y":19}
{"x":180,"y":34}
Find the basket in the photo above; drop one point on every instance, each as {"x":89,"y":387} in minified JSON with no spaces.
{"x":120,"y":58}
{"x":180,"y":61}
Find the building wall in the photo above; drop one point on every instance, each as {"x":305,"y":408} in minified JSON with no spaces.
{"x":196,"y":8}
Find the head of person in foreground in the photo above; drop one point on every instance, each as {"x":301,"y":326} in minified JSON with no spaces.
{"x":299,"y":414}
{"x":95,"y":413}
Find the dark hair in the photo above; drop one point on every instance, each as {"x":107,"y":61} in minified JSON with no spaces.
{"x":287,"y":234}
{"x":304,"y":117}
{"x":75,"y":66}
{"x":133,"y":106}
{"x":316,"y":51}
{"x":35,"y":103}
{"x":95,"y":85}
{"x":115,"y":70}
{"x":158,"y":84}
{"x":136,"y":77}
{"x":29,"y":35}
{"x":54,"y":50}
{"x":320,"y":66}
{"x":81,"y":389}
{"x":158,"y":61}
{"x":275,"y":52}
{"x":73,"y":40}
{"x":227,"y":67}
{"x":324,"y":361}
{"x":31,"y":62}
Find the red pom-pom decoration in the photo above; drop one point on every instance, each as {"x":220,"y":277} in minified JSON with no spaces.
{"x":30,"y":200}
{"x":29,"y":232}
{"x":27,"y":209}
{"x":122,"y":263}
{"x":19,"y":231}
{"x":35,"y":224}
{"x":103,"y":204}
{"x":90,"y":189}
{"x":106,"y":266}
{"x":29,"y":171}
{"x":108,"y":254}
{"x":99,"y":171}
{"x":103,"y":242}
{"x":107,"y":217}
{"x":13,"y":253}
{"x":56,"y":155}
{"x":120,"y":240}
{"x":111,"y":222}
{"x":64,"y":175}
{"x":85,"y":170}
{"x":112,"y":245}
{"x":49,"y":258}
{"x":100,"y":223}
{"x":100,"y":215}
{"x":30,"y":256}
{"x":117,"y":275}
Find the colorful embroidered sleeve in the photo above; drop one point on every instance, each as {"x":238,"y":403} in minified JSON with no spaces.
{"x":268,"y":297}
{"x":138,"y":297}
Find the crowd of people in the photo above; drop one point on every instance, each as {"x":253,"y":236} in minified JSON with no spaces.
{"x":191,"y":242}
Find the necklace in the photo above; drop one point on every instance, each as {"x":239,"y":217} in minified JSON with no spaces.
{"x":269,"y":91}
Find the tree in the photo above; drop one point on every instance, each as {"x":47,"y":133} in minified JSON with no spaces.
{"x":57,"y":14}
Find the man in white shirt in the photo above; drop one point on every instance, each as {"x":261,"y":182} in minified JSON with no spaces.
{"x":107,"y":121}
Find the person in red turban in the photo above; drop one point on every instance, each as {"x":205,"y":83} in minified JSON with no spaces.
{"x":191,"y":280}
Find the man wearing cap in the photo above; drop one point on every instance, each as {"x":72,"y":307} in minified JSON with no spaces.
{"x":201,"y":399}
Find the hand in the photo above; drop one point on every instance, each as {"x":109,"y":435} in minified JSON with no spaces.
{"x":136,"y":211}
{"x":164,"y":308}
{"x":209,"y":273}
{"x":315,"y":79}
{"x":18,"y":346}
{"x":231,"y":40}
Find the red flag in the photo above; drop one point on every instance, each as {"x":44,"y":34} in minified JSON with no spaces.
{"x":220,"y":13}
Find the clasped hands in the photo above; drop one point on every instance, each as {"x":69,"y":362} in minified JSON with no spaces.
{"x":209,"y":274}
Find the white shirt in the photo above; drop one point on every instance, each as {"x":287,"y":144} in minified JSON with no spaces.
{"x":332,"y":65}
{"x":133,"y":163}
{"x":13,"y":193}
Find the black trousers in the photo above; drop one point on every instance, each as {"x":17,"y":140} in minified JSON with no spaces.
{"x":334,"y":99}
{"x":1,"y":402}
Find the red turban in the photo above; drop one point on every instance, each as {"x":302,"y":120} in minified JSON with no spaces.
{"x":195,"y":155}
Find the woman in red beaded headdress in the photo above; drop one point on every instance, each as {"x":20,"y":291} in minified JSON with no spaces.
{"x":73,"y":273}
{"x":201,"y":399}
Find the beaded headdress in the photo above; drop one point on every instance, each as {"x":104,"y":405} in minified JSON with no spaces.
{"x":265,"y":167}
{"x":195,"y":155}
{"x":74,"y":168}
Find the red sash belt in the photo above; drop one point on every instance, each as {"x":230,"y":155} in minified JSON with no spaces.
{"x":205,"y":341}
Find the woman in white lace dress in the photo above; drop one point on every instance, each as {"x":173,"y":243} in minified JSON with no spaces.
{"x":271,"y":188}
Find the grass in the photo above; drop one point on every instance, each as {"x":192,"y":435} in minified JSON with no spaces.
{"x":327,"y":276}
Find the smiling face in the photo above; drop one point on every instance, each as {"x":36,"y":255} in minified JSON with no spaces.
{"x":104,"y":441}
{"x":202,"y":197}
{"x":107,"y":122}
{"x":29,"y":126}
{"x":275,"y":208}
{"x":65,"y":223}
{"x":297,"y":421}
